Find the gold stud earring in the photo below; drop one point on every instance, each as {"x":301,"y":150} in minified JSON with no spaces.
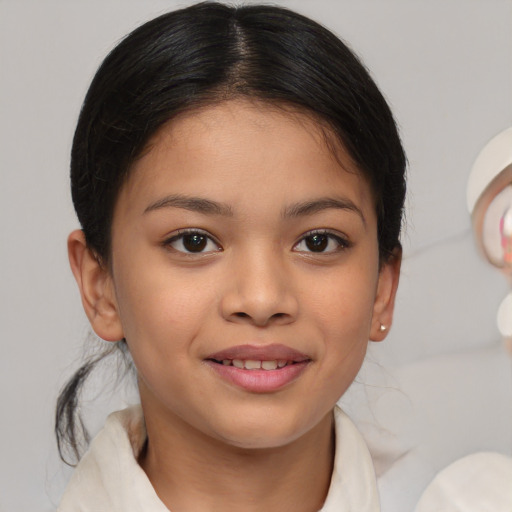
{"x":383,"y":328}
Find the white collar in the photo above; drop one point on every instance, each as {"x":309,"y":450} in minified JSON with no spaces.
{"x":108,"y":478}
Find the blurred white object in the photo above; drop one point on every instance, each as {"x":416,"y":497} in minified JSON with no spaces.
{"x":489,"y":200}
{"x":481,"y":482}
{"x":494,"y":158}
{"x":505,"y":321}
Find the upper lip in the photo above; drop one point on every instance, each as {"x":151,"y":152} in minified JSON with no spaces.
{"x":260,"y":353}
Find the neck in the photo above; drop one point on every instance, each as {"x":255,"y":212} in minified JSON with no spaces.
{"x":190,"y":471}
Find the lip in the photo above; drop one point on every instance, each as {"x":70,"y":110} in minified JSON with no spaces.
{"x":261,"y":353}
{"x":259,"y":381}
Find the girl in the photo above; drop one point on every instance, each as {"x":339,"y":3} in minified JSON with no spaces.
{"x":239,"y":181}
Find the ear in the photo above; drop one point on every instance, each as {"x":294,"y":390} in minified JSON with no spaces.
{"x":384,"y":304}
{"x":96,"y":288}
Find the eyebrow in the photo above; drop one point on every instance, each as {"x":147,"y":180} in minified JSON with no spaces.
{"x":209,"y":207}
{"x":194,"y":204}
{"x":318,"y":205}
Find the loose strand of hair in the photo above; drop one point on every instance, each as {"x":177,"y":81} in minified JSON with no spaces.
{"x":70,"y":430}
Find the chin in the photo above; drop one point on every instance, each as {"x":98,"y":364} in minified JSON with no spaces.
{"x":266,"y":432}
{"x":259,"y":441}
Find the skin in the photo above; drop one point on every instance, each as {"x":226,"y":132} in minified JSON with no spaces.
{"x":213,"y":445}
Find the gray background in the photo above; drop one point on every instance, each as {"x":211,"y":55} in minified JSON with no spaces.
{"x":445,"y":67}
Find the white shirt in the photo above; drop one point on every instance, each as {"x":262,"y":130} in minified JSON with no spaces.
{"x":109,"y":479}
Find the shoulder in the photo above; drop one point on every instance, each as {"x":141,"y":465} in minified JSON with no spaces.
{"x":109,"y":477}
{"x":353,"y":483}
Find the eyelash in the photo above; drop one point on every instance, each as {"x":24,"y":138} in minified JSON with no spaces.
{"x":180,"y":236}
{"x":205,"y":239}
{"x":341,"y":242}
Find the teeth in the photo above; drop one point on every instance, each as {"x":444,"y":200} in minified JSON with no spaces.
{"x":252,"y":364}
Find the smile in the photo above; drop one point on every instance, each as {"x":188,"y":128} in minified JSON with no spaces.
{"x":252,"y":364}
{"x":259,"y":369}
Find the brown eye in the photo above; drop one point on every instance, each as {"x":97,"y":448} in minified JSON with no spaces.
{"x":317,"y":243}
{"x":321,"y":242}
{"x":193,"y":242}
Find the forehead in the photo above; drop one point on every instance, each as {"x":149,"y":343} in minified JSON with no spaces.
{"x":238,"y":145}
{"x":217,"y":122}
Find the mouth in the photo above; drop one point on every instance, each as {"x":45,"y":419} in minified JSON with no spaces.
{"x":259,"y":369}
{"x":255,"y":364}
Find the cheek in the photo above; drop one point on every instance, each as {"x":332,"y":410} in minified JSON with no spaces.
{"x":344,"y":306}
{"x":161,"y":311}
{"x":342,"y":312}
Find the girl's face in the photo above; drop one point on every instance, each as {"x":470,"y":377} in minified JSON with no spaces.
{"x":238,"y":242}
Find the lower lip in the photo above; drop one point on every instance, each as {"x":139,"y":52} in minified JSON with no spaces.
{"x":259,"y":381}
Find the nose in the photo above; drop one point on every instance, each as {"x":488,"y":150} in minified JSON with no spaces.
{"x":259,"y":291}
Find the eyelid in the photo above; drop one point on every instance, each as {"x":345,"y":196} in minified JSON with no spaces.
{"x":342,"y":240}
{"x":190,"y":231}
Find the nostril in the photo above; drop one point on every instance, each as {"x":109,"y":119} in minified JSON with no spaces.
{"x":241,"y":314}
